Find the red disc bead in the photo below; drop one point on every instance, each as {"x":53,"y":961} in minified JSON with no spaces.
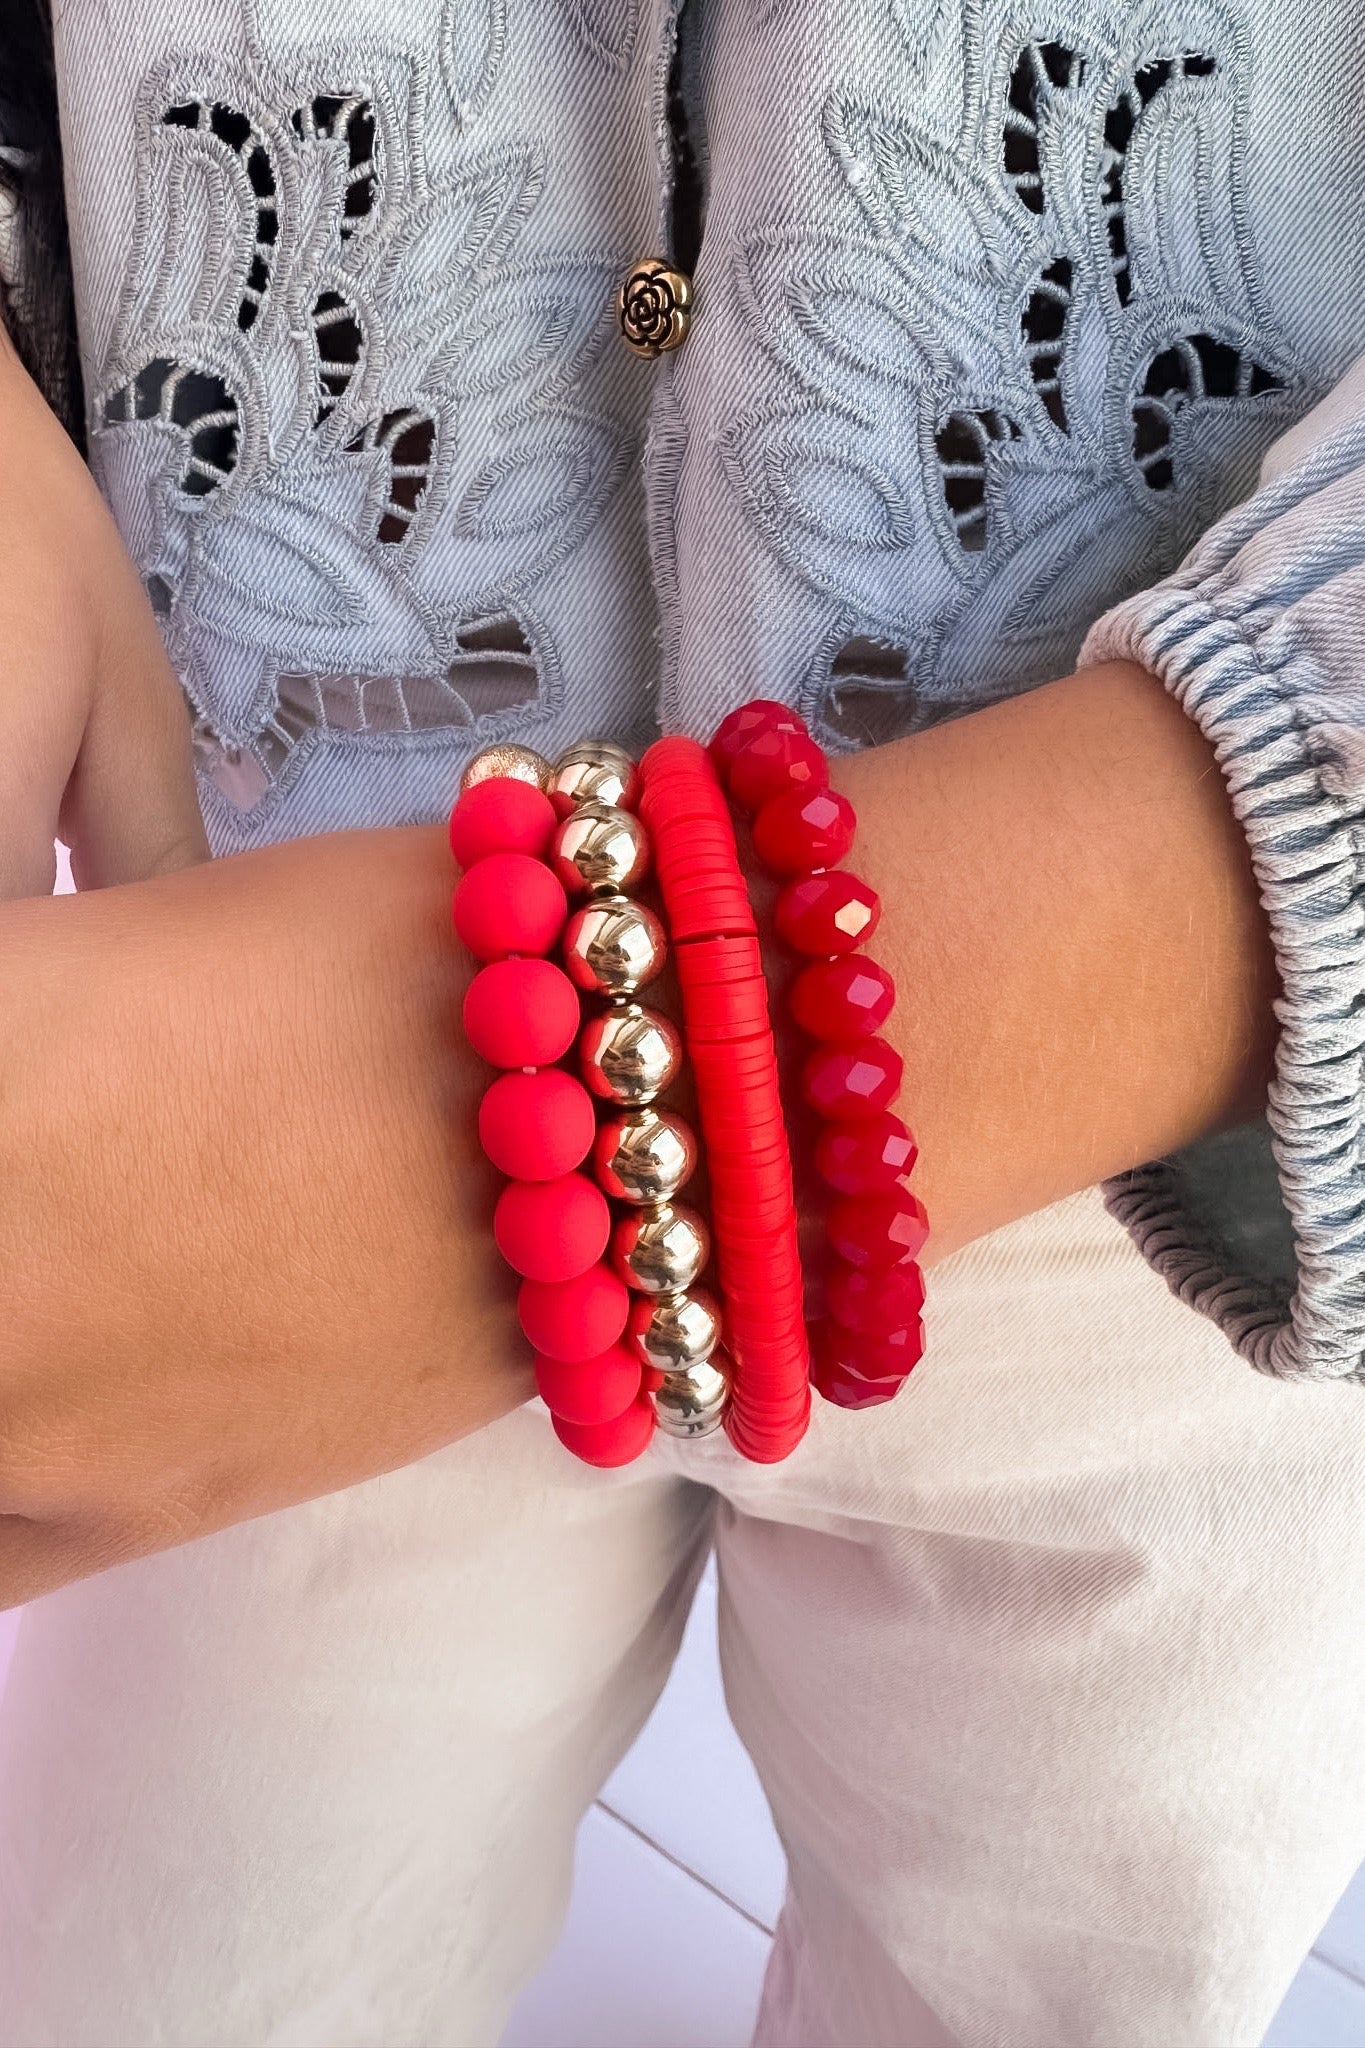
{"x":578,"y":1318}
{"x":591,"y":1389}
{"x":509,"y":903}
{"x":801,"y":829}
{"x":827,"y":913}
{"x":617,"y":1442}
{"x":838,"y":1001}
{"x":764,"y":714}
{"x":852,"y":1080}
{"x":867,"y":1155}
{"x":552,"y":1229}
{"x":501,"y":816}
{"x":521,"y":1013}
{"x":873,"y":1301}
{"x":774,"y":761}
{"x":537,"y":1126}
{"x":878,"y":1232}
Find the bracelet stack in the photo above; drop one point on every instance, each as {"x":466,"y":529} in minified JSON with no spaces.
{"x":609,"y":1259}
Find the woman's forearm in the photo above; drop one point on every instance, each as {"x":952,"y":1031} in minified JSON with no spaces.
{"x":244,"y":1248}
{"x":1084,"y":968}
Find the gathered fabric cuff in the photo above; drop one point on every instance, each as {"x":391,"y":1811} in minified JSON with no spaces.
{"x":1260,"y":637}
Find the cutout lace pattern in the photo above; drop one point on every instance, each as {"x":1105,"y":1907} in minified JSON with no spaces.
{"x":1030,"y":366}
{"x":340,"y":412}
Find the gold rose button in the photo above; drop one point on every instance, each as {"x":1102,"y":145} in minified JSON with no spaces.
{"x":654,"y":308}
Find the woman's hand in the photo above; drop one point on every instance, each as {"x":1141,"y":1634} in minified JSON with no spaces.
{"x":245,"y":1254}
{"x":94,"y":731}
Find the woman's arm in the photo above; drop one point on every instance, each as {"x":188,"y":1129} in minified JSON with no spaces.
{"x":244,"y":1227}
{"x":1084,"y":970}
{"x":245,"y":1254}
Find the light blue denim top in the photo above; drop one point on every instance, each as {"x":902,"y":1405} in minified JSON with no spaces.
{"x":998,"y":309}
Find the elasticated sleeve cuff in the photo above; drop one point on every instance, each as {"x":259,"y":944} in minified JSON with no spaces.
{"x":1260,"y":637}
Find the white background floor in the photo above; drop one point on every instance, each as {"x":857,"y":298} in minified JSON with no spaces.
{"x":666,"y":1877}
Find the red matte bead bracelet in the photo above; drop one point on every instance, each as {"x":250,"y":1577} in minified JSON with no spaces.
{"x":626,"y":1341}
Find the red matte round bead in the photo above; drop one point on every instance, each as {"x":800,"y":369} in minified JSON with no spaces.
{"x":501,"y":816}
{"x":764,"y":714}
{"x":873,"y":1301}
{"x":610,"y":1443}
{"x":509,"y":903}
{"x":827,"y":913}
{"x":774,"y":761}
{"x":838,"y":1001}
{"x":591,"y":1389}
{"x":878,"y":1232}
{"x":852,"y":1080}
{"x":867,"y":1155}
{"x":552,"y":1229}
{"x":537,"y":1126}
{"x":801,"y":829}
{"x":578,"y":1318}
{"x":521,"y":1013}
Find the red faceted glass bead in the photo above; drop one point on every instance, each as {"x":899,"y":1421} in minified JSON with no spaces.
{"x":828,"y":913}
{"x":509,"y":903}
{"x":734,"y":732}
{"x":537,"y":1126}
{"x":892,"y":1353}
{"x":609,"y":1443}
{"x":501,"y":816}
{"x":866,"y":1156}
{"x":873,"y":1301}
{"x":832,"y":1378}
{"x":852,"y":1080}
{"x":552,"y":1229}
{"x":846,"y":1390}
{"x":521,"y":1013}
{"x":878,"y":1232}
{"x":774,"y":761}
{"x":589,"y":1389}
{"x":801,"y":829}
{"x":839,"y":1001}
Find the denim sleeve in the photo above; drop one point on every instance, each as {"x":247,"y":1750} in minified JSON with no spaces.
{"x":1260,"y":637}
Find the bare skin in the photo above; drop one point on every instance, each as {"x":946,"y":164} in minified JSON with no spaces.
{"x":244,"y":1245}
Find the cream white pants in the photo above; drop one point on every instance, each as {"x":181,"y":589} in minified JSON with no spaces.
{"x":1054,"y":1672}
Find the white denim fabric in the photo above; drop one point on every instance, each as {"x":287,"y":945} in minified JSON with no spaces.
{"x":1052,"y":1669}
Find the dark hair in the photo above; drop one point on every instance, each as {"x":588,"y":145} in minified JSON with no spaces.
{"x":35,"y":254}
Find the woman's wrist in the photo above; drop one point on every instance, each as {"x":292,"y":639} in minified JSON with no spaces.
{"x":1085,"y":973}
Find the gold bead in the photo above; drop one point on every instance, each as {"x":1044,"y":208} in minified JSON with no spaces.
{"x":654,"y":308}
{"x":600,"y":849}
{"x":660,"y":1249}
{"x":644,"y":1155}
{"x":521,"y":764}
{"x":672,"y":1332}
{"x":613,"y":946}
{"x":629,"y":1054}
{"x":692,"y":1403}
{"x":594,"y":772}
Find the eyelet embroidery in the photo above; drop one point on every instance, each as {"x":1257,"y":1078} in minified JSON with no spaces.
{"x":1053,"y":353}
{"x":339,"y":412}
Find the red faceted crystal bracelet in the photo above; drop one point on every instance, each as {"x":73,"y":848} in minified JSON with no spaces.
{"x":873,"y":1335}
